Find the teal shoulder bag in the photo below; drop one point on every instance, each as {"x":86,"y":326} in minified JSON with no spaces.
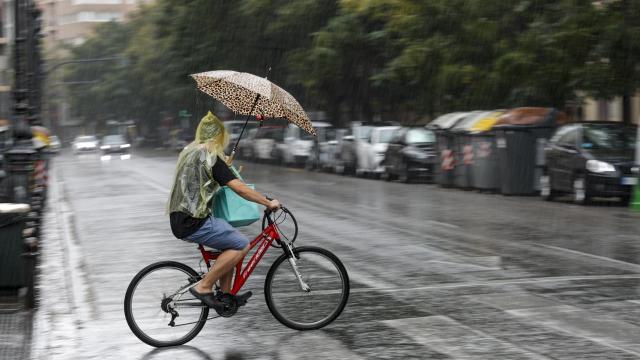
{"x":232,"y":208}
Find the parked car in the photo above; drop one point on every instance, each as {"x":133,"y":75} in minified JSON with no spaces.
{"x":331,"y":157}
{"x":54,"y":144}
{"x":245,"y":147}
{"x":297,"y":145}
{"x":323,"y":151}
{"x":264,"y":143}
{"x":85,"y":143}
{"x":374,"y":152}
{"x":411,"y":154}
{"x":591,"y":159}
{"x":234,"y":127}
{"x":115,"y":144}
{"x":347,"y":157}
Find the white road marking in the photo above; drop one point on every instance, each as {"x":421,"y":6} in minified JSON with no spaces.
{"x":607,"y":331}
{"x":452,"y":338}
{"x":624,"y":264}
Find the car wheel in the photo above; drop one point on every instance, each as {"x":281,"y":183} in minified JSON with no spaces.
{"x":404,"y":175}
{"x":386,"y":175}
{"x":581,"y":194}
{"x":546,"y":190}
{"x":626,"y":199}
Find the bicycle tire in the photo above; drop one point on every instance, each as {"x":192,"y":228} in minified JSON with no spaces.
{"x":139,"y":333}
{"x":293,"y":236}
{"x":276,"y":311}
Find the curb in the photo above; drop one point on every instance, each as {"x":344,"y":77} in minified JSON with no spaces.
{"x":61,"y":283}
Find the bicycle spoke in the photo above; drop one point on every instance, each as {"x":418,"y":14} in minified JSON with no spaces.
{"x":327,"y":295}
{"x":155,"y":303}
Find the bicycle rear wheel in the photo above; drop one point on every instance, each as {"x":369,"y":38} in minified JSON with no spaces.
{"x":327,"y":279}
{"x":158,"y":307}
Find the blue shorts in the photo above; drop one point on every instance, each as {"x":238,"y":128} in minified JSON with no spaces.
{"x":218,"y":234}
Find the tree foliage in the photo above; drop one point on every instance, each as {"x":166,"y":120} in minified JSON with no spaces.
{"x":364,"y":59}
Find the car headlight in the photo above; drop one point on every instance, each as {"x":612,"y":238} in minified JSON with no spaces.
{"x":124,"y":146}
{"x":104,"y":147}
{"x":597,"y":166}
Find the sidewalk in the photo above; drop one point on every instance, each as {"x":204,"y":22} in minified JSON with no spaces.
{"x":57,"y":321}
{"x":15,"y":330}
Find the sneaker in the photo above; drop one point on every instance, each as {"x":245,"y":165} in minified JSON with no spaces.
{"x":241,"y":299}
{"x":209,"y":299}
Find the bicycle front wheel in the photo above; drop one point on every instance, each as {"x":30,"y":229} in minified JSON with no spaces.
{"x":321,"y":303}
{"x":158,"y":307}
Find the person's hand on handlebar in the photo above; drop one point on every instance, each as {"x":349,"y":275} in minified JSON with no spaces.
{"x":274,"y":205}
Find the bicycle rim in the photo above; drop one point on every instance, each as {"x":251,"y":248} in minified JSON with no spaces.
{"x":154,"y":294}
{"x":329,"y":289}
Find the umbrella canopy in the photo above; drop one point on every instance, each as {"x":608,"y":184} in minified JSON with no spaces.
{"x":248,"y":94}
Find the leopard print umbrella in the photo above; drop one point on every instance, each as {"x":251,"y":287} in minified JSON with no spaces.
{"x":238,"y":90}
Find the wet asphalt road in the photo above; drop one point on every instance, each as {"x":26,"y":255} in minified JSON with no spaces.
{"x":435,"y":273}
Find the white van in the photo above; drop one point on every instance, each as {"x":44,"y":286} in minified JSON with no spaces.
{"x":379,"y":141}
{"x":297,"y":145}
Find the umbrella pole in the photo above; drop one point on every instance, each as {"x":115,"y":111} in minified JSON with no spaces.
{"x":235,"y":147}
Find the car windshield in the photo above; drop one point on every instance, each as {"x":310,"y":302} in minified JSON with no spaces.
{"x":609,"y":137}
{"x":86,"y":138}
{"x":113,"y":139}
{"x":363,"y":132}
{"x":236,"y":128}
{"x":416,"y":136}
{"x":305,"y":135}
{"x":385,"y":135}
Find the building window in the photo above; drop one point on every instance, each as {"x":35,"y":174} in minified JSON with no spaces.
{"x":97,"y":2}
{"x":91,"y":16}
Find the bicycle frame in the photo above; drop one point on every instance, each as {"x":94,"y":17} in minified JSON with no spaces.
{"x":265,"y":239}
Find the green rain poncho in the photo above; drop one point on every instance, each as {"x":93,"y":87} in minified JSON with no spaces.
{"x":193,"y":185}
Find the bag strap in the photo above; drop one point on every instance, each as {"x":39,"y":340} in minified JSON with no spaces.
{"x":235,"y":172}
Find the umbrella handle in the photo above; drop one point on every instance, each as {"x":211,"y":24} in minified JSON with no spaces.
{"x":233,"y":152}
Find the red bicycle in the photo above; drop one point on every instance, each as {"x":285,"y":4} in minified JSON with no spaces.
{"x":308,"y":294}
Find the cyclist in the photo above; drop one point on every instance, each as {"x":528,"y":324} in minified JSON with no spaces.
{"x":200,"y":171}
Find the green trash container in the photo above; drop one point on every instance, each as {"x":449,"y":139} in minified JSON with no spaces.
{"x":12,"y":269}
{"x":462,"y":176}
{"x":445,"y":145}
{"x":446,"y":165}
{"x":521,"y":154}
{"x":485,"y":167}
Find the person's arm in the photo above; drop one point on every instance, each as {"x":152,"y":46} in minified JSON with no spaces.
{"x":248,"y":193}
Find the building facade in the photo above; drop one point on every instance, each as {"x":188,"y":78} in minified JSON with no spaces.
{"x":6,"y":72}
{"x":610,"y":110}
{"x":70,"y":22}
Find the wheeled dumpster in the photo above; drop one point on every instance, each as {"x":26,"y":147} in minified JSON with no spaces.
{"x":521,"y":135}
{"x":445,"y":146}
{"x":12,"y":267}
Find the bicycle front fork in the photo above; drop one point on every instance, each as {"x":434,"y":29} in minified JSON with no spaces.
{"x":294,"y":266}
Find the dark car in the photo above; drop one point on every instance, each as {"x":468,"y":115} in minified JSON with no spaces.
{"x":411,"y":154}
{"x":114,"y":144}
{"x":593,"y":159}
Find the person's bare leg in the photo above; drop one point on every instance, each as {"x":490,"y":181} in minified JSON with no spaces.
{"x":223,"y":264}
{"x":225,"y":281}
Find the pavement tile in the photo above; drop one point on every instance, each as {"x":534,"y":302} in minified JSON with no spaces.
{"x":15,"y":335}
